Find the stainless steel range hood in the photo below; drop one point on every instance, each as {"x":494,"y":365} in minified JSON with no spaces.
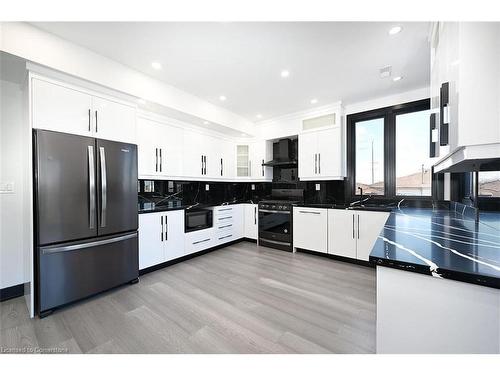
{"x":470,"y":159}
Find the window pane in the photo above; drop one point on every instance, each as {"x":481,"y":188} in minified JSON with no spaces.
{"x":413,"y":164}
{"x":489,"y":184}
{"x":370,"y":156}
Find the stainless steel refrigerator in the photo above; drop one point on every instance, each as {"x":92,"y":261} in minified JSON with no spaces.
{"x":85,"y":217}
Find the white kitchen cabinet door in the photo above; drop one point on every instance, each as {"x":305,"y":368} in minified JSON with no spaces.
{"x":330,"y":152}
{"x":310,"y":228}
{"x":369,"y":225}
{"x":114,"y":121}
{"x":260,"y":152}
{"x":147,"y":148}
{"x":342,"y":233}
{"x":228,"y":159}
{"x":193,"y":152}
{"x":174,"y":234}
{"x":251,"y":221}
{"x":151,"y":240}
{"x":308,"y":155}
{"x":171,"y":150}
{"x":199,"y":240}
{"x":61,"y":109}
{"x":243,"y":161}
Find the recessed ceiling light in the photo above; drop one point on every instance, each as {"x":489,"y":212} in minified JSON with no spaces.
{"x":395,"y":30}
{"x":156,"y":65}
{"x":141,"y":101}
{"x":259,"y":116}
{"x":398,"y":78}
{"x":285,"y":73}
{"x":314,"y":101}
{"x":222,"y":98}
{"x":243,"y":135}
{"x":205,"y":123}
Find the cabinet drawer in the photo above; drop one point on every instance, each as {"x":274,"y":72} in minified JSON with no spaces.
{"x":199,"y":240}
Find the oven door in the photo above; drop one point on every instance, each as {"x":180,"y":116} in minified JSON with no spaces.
{"x":275,"y":228}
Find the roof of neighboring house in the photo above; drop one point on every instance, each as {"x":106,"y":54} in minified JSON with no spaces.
{"x":490,"y":188}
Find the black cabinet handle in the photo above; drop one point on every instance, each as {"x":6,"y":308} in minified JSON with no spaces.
{"x":161,"y":222}
{"x":432,"y":127}
{"x":89,"y":119}
{"x":96,"y":121}
{"x":444,"y":100}
{"x":156,"y":167}
{"x":166,"y":228}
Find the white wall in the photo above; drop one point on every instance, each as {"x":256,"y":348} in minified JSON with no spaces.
{"x":33,"y":44}
{"x":386,"y":101}
{"x":12,"y":217}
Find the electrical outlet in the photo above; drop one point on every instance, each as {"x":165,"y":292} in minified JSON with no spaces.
{"x":207,"y":187}
{"x":253,"y":186}
{"x":318,"y":187}
{"x":7,"y":187}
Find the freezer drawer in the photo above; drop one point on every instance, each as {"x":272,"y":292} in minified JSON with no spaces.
{"x":71,"y":271}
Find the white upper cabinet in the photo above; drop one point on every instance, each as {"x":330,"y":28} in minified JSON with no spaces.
{"x":260,"y":152}
{"x":465,"y":84}
{"x":62,"y":108}
{"x":159,"y":148}
{"x":321,"y":154}
{"x":113,"y":120}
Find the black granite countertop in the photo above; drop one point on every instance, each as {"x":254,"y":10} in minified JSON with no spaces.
{"x":443,"y":244}
{"x":146,"y":207}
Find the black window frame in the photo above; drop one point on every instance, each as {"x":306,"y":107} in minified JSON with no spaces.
{"x":389,"y":115}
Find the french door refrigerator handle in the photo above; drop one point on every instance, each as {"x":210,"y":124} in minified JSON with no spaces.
{"x":90,"y":151}
{"x":104,"y":187}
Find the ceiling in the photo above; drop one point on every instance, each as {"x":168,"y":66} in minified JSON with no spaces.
{"x":327,"y":61}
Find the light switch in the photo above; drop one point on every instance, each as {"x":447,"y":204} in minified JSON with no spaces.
{"x":318,"y":187}
{"x":253,"y":187}
{"x":7,"y":187}
{"x":207,"y":187}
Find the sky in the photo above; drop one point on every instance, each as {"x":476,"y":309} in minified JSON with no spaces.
{"x":412,"y":146}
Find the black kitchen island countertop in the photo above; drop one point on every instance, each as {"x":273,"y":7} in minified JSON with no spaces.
{"x":443,"y":244}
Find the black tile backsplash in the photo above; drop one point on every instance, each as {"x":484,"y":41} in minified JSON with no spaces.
{"x":191,"y":192}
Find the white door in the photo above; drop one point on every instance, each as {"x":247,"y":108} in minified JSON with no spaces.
{"x":369,"y":225}
{"x":342,"y":233}
{"x":151,"y":240}
{"x":174,"y":234}
{"x":310,"y":228}
{"x":147,"y":148}
{"x":61,"y":109}
{"x":251,"y":221}
{"x":113,"y":120}
{"x":330,"y":152}
{"x":308,"y":155}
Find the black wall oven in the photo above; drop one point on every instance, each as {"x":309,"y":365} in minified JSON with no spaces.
{"x":275,"y":225}
{"x":197,"y":219}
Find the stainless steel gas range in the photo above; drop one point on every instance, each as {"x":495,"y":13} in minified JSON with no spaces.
{"x":275,"y":218}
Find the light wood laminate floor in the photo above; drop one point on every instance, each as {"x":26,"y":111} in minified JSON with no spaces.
{"x":239,"y":299}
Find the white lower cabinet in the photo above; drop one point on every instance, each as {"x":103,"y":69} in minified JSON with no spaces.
{"x":352,"y":233}
{"x":161,"y":237}
{"x":199,"y":240}
{"x":251,"y":220}
{"x":341,"y":233}
{"x":310,"y":229}
{"x":228,"y":223}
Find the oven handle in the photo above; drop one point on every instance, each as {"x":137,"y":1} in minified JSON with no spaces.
{"x":275,"y":211}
